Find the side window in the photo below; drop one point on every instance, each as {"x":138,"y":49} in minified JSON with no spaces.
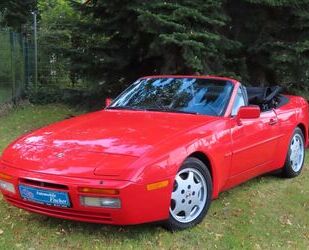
{"x":239,"y":102}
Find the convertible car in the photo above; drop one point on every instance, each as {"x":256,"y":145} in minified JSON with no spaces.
{"x":161,"y":151}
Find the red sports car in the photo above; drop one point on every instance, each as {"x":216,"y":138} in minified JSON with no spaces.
{"x":162,"y":151}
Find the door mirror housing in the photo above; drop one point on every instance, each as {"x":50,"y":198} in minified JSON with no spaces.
{"x":249,"y":112}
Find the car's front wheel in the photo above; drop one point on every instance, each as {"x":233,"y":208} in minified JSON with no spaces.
{"x":191,"y":196}
{"x":296,"y":155}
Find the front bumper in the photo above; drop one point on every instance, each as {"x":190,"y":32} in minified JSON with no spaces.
{"x":138,"y":205}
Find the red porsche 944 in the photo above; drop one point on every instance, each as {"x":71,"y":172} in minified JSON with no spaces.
{"x":161,"y":151}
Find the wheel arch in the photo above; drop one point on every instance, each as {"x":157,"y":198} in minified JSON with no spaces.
{"x":304,"y":130}
{"x":210,"y":166}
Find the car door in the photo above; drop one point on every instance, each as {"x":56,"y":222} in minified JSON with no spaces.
{"x":254,"y":141}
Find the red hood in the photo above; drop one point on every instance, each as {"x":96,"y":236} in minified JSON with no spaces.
{"x":107,"y":140}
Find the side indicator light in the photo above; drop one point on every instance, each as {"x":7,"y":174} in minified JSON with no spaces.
{"x":5,"y":176}
{"x":157,"y":185}
{"x":104,"y":191}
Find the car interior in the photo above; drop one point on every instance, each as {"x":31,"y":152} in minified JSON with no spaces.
{"x":267,"y":98}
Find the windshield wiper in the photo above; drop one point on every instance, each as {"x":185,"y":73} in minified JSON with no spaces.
{"x":153,"y":109}
{"x":126,"y":108}
{"x":181,"y":111}
{"x":171,"y":111}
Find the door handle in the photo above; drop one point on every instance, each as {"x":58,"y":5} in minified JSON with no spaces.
{"x":273,"y":121}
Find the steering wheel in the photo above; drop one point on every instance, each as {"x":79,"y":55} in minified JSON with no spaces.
{"x":271,"y":93}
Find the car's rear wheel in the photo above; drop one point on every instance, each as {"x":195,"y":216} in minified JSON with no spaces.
{"x":296,"y":155}
{"x":191,"y":196}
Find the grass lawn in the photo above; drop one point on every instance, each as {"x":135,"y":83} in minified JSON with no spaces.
{"x":265,"y":213}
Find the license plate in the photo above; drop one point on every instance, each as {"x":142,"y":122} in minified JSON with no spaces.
{"x":44,"y":196}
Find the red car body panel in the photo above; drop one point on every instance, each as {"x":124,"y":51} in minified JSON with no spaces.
{"x":127,"y":150}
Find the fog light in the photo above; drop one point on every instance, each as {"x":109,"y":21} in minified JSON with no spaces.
{"x":100,"y":202}
{"x":9,"y":187}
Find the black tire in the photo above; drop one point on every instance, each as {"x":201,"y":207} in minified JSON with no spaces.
{"x":288,"y":171}
{"x":173,"y":224}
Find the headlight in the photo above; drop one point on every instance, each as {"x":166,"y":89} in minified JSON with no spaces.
{"x":100,"y":202}
{"x":7,"y":186}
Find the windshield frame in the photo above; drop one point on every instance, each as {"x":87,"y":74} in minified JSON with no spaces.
{"x":219,"y":79}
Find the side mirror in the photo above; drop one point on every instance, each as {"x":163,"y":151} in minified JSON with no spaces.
{"x":248,"y":112}
{"x":108,"y":101}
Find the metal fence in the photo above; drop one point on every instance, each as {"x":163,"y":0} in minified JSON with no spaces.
{"x":16,"y":66}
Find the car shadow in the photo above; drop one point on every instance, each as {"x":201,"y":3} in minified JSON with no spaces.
{"x":67,"y":227}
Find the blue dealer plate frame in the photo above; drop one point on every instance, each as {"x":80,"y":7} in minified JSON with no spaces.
{"x":45,"y":196}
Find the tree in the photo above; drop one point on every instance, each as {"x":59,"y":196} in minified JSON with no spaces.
{"x":275,"y":36}
{"x":16,"y":13}
{"x":133,"y":38}
{"x":56,"y":25}
{"x":103,"y":45}
{"x":187,"y":36}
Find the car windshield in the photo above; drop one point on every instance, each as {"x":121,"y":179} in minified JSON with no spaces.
{"x":183,"y":95}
